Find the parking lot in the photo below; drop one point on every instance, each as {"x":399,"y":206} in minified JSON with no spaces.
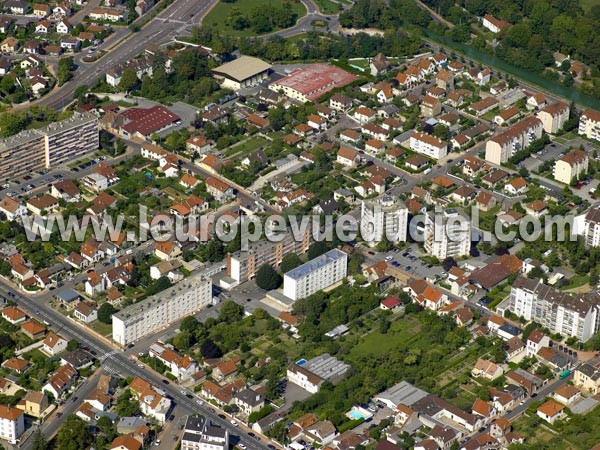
{"x":406,"y":259}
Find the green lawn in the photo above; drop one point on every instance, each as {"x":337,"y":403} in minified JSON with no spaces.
{"x":103,"y":328}
{"x":245,"y":147}
{"x":399,"y":334}
{"x":218,"y":16}
{"x":328,"y":7}
{"x":587,"y":4}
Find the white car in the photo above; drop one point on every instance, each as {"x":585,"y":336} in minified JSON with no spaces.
{"x":242,"y":446}
{"x":233,"y":422}
{"x":389,"y":258}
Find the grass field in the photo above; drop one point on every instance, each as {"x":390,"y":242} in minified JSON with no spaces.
{"x":587,"y":4}
{"x":401,"y":332}
{"x":103,"y":328}
{"x":217,"y":17}
{"x":245,"y":147}
{"x":328,"y":7}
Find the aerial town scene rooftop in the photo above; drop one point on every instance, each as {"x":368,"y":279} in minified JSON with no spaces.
{"x":299,"y":225}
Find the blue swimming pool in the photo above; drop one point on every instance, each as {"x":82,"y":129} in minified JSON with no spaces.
{"x":356,"y":415}
{"x":301,"y":362}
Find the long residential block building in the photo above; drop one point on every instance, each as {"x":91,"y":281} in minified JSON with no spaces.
{"x":57,"y":143}
{"x":589,"y":124}
{"x":387,"y":217}
{"x":571,"y":315}
{"x":149,"y":315}
{"x":243,"y":265}
{"x":317,"y":274}
{"x":500,"y":148}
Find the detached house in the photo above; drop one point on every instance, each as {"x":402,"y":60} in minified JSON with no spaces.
{"x":220,"y":190}
{"x":54,"y":344}
{"x":347,"y":157}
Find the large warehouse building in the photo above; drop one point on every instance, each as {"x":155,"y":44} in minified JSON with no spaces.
{"x":309,"y":83}
{"x":242,"y":72}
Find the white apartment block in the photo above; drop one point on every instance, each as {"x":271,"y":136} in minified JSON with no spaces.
{"x":146,"y":317}
{"x":571,"y":315}
{"x":554,"y":116}
{"x":589,"y":124}
{"x":315,"y":275}
{"x":57,"y":143}
{"x":591,"y":227}
{"x":447,"y":234}
{"x":387,"y":217}
{"x":201,"y":434}
{"x":12,"y":424}
{"x":500,"y":148}
{"x":428,"y":145}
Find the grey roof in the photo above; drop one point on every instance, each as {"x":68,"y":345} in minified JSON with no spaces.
{"x":590,"y":369}
{"x":129,"y":424}
{"x":78,"y":358}
{"x":316,"y":263}
{"x":67,"y":295}
{"x":329,"y":206}
{"x":581,"y":303}
{"x":250,"y":397}
{"x":199,"y":427}
{"x":510,"y":329}
{"x":390,"y":109}
{"x":404,"y":393}
{"x":326,"y":367}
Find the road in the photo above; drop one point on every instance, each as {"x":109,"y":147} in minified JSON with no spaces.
{"x":119,"y":362}
{"x":167,"y":24}
{"x":304,"y":24}
{"x":52,"y":424}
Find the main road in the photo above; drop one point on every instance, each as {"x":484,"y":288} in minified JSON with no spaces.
{"x":167,"y":24}
{"x":118,"y":362}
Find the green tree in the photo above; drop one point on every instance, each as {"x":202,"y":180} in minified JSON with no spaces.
{"x":105,"y":313}
{"x":73,"y":435}
{"x":230,"y":312}
{"x":73,"y":344}
{"x":189,"y":323}
{"x":267,"y":278}
{"x":317,"y":249}
{"x":5,"y":268}
{"x":65,"y":70}
{"x":289,"y":262}
{"x":210,"y":350}
{"x":129,"y":80}
{"x":39,"y":440}
{"x":127,"y":405}
{"x":183,"y":340}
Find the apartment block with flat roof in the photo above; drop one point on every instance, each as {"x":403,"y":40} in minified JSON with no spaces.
{"x":317,"y":274}
{"x":33,"y":150}
{"x":150,"y":315}
{"x":243,"y":265}
{"x":387,"y":217}
{"x":572,"y":315}
{"x":447,"y":234}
